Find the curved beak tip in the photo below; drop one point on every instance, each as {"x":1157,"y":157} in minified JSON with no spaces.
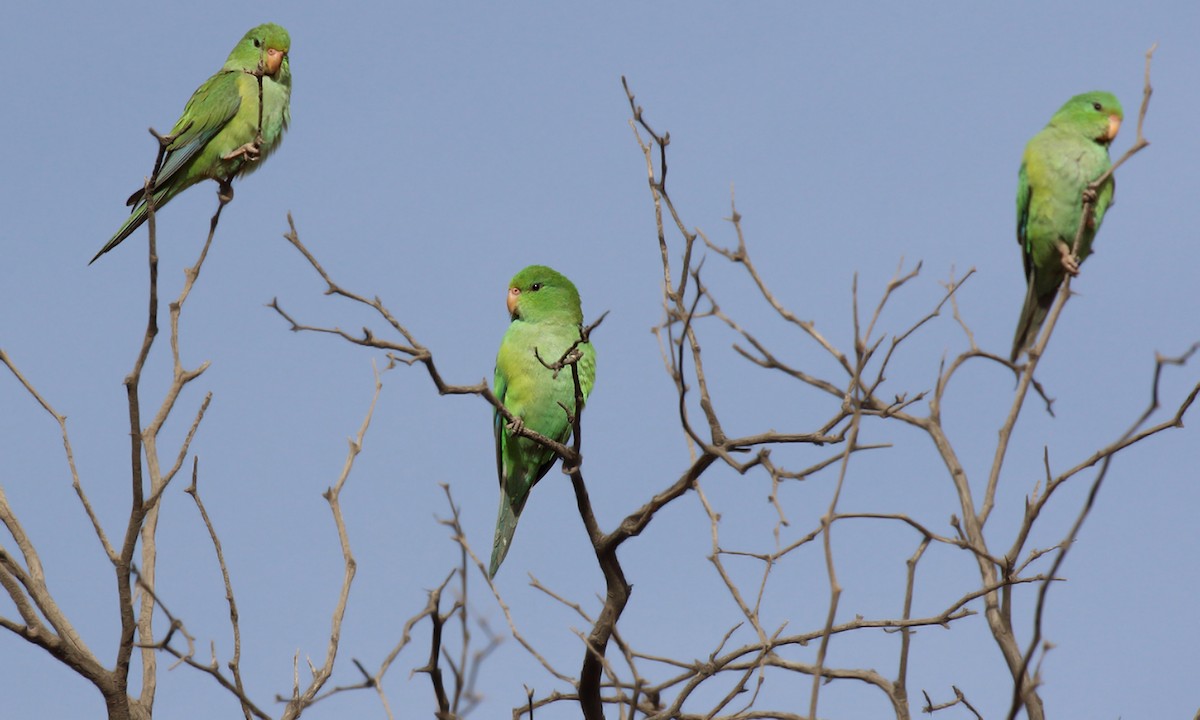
{"x":513,"y":295}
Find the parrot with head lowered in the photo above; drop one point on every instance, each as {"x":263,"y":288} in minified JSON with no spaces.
{"x":546,"y":316}
{"x":216,"y":137}
{"x":1059,"y":163}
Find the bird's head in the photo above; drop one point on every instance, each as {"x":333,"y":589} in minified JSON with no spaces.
{"x":538,"y":292}
{"x":1096,"y":114}
{"x":267,"y":44}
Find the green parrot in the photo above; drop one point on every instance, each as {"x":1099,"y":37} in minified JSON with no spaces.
{"x":215,"y":136}
{"x":546,"y":316}
{"x":1059,"y":162}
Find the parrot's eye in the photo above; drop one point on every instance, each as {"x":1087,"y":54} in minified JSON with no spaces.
{"x":258,"y":43}
{"x":1097,"y":106}
{"x":535,"y":287}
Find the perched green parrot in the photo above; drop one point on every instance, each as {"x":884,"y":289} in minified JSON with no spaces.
{"x":215,"y":136}
{"x":546,"y":316}
{"x":1059,"y":163}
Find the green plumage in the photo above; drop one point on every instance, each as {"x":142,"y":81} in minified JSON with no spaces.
{"x":546,"y":315}
{"x":1059,"y":163}
{"x":214,"y":137}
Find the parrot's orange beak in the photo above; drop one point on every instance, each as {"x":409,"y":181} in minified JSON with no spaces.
{"x":1114,"y":125}
{"x":272,"y":60}
{"x":513,"y":295}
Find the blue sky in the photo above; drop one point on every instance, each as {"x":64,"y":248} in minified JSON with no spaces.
{"x":437,"y":149}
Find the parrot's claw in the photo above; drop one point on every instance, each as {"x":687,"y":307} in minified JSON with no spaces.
{"x":251,"y":151}
{"x":1070,"y":263}
{"x":1089,"y":195}
{"x":514,"y":427}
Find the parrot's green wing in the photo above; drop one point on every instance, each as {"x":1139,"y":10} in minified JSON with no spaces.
{"x":500,"y":390}
{"x":207,"y":112}
{"x":1023,"y":193}
{"x":506,"y":517}
{"x":1032,"y":311}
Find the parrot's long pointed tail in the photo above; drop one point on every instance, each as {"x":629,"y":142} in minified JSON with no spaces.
{"x":138,"y":215}
{"x":132,"y":223}
{"x":506,"y":525}
{"x":1033,"y":314}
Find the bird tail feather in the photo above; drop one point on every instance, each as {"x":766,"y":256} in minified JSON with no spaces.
{"x":137,"y":216}
{"x":1033,"y":314}
{"x":132,"y":223}
{"x":506,"y":525}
